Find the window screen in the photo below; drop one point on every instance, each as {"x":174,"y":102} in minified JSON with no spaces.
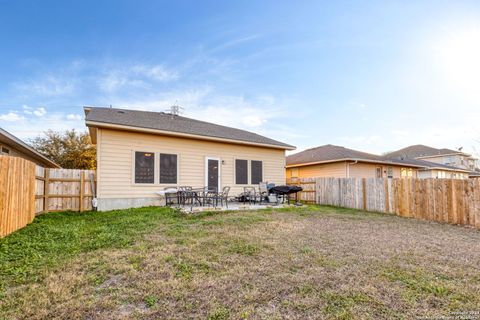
{"x":168,"y":168}
{"x":144,"y":167}
{"x":257,"y":172}
{"x":241,"y":171}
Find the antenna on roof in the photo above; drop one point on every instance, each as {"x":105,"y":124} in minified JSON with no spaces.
{"x":175,"y":110}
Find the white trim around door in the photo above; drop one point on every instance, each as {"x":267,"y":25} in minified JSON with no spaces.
{"x":219,"y":171}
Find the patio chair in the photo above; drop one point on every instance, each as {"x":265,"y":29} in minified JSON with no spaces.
{"x":250,"y":195}
{"x":209,"y":196}
{"x":222,"y":196}
{"x":170,"y":197}
{"x":184,"y":195}
{"x":263,"y":191}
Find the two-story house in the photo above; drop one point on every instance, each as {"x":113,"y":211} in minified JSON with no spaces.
{"x":444,"y":156}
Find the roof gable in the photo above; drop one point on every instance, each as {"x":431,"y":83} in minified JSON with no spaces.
{"x":328,"y":153}
{"x":418,"y":151}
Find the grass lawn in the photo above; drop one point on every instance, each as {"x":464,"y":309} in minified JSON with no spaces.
{"x":313,"y":262}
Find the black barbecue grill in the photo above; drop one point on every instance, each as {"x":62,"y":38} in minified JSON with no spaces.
{"x":286,"y":191}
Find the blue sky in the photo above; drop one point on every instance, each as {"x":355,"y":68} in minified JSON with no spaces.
{"x":370,"y":75}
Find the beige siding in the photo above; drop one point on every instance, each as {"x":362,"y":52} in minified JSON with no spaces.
{"x":115,"y":162}
{"x":327,"y":170}
{"x":344,"y":169}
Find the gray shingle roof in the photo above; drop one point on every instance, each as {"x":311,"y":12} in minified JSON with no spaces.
{"x":419,"y":150}
{"x":167,"y":122}
{"x":9,"y":139}
{"x":428,"y":164}
{"x":331,"y":153}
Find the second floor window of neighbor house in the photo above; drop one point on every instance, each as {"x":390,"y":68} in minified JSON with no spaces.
{"x":144,"y":167}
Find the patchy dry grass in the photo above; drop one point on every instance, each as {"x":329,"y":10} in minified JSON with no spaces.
{"x":315,"y":262}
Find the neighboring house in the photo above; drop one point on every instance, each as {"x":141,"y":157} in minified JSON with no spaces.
{"x":140,"y":153}
{"x":438,"y":170}
{"x":458,"y":164}
{"x":13,"y":146}
{"x":341,"y":162}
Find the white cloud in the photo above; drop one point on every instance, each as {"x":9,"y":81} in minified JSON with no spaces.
{"x":136,"y":76}
{"x":74,"y":117}
{"x":47,"y":86}
{"x":154,"y":72}
{"x":40,"y":112}
{"x":11,"y":117}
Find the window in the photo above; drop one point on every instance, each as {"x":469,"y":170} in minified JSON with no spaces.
{"x":390,"y":172}
{"x":144,"y":167}
{"x":168,"y":168}
{"x":257,"y":172}
{"x":378,"y":172}
{"x":294,"y":173}
{"x":5,"y":150}
{"x":406,"y":173}
{"x":241,"y":171}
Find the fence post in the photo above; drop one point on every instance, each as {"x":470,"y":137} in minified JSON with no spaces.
{"x":453,"y":204}
{"x":387,"y":197}
{"x":46,"y":187}
{"x":364,"y":192}
{"x":82,"y":186}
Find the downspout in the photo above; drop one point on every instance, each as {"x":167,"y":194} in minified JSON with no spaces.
{"x":348,"y":167}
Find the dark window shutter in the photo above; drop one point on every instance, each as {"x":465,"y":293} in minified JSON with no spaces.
{"x":241,"y":171}
{"x":144,"y":167}
{"x":168,"y":168}
{"x":257,"y":172}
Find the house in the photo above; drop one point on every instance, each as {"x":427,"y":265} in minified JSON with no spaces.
{"x":140,"y":153}
{"x":452,"y":163}
{"x":13,"y":146}
{"x":438,"y":170}
{"x":340,"y":162}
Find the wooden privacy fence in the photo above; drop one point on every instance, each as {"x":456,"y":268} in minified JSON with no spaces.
{"x":444,"y":200}
{"x":63,"y":189}
{"x":17,"y":194}
{"x":27,"y":190}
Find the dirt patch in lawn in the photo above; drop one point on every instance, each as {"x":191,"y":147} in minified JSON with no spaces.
{"x":318,"y":262}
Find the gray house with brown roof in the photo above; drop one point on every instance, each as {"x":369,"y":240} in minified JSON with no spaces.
{"x":140,"y":153}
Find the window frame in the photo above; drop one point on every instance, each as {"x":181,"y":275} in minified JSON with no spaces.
{"x":2,"y":150}
{"x":155,"y":161}
{"x":378,"y":172}
{"x":235,"y":172}
{"x":251,"y":172}
{"x":159,"y":169}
